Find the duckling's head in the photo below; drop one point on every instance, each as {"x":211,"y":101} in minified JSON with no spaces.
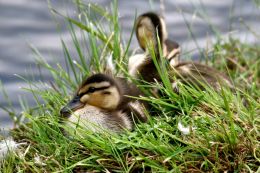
{"x":98,"y":90}
{"x":147,"y":27}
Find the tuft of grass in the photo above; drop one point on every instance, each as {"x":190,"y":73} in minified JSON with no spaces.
{"x":224,"y":126}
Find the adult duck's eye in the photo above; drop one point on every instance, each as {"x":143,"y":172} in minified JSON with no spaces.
{"x":91,"y":90}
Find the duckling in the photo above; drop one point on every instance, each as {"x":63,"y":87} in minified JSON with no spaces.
{"x":201,"y":75}
{"x":101,"y":102}
{"x":149,"y":26}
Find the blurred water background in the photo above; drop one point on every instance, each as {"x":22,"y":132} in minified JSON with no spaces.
{"x":30,"y":22}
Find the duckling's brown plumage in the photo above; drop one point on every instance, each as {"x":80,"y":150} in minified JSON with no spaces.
{"x":102,"y":100}
{"x":201,"y":75}
{"x":150,"y":26}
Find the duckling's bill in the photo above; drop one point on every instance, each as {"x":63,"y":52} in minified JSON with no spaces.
{"x":73,"y":105}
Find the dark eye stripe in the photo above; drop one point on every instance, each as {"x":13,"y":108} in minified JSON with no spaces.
{"x":102,"y":88}
{"x":95,"y":89}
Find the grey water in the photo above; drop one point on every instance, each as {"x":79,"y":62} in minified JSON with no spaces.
{"x":30,"y":22}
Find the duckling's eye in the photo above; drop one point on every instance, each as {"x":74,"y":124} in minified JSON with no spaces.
{"x":91,"y":90}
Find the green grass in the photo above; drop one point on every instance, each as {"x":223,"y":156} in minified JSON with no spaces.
{"x":224,"y":132}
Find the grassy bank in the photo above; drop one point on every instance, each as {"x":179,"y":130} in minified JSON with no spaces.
{"x":223,"y":126}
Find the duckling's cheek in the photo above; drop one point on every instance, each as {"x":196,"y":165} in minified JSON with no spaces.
{"x":84,"y":98}
{"x":96,"y":99}
{"x":142,"y":42}
{"x":111,"y":101}
{"x":145,"y":37}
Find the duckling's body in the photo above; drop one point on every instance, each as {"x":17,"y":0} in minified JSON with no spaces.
{"x":101,"y":102}
{"x":97,"y":120}
{"x":149,"y":27}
